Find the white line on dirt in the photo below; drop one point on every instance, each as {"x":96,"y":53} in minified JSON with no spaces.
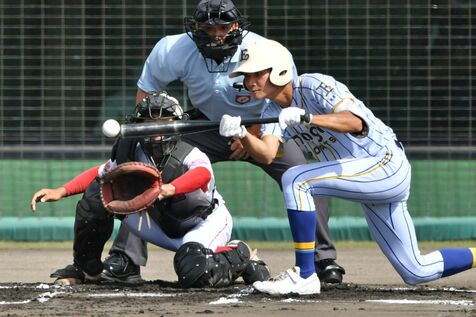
{"x":40,"y":286}
{"x":295,"y":300}
{"x":15,"y":303}
{"x":42,"y":298}
{"x":430,"y":302}
{"x":429,"y":289}
{"x":133,"y":295}
{"x":233,"y":298}
{"x":224,"y":300}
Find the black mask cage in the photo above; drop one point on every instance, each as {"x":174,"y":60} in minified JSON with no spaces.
{"x":216,"y":12}
{"x":160,"y":150}
{"x":156,"y":107}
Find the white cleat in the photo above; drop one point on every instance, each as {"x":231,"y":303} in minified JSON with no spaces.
{"x":289,"y":282}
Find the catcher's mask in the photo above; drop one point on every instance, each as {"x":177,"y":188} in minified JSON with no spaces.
{"x":158,"y":107}
{"x":222,"y":13}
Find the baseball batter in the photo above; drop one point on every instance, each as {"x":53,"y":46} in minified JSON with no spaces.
{"x":356,"y":157}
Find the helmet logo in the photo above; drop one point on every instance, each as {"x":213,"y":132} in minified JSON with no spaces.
{"x":244,"y":55}
{"x":242,"y":99}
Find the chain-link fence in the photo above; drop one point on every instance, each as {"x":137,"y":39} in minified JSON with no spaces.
{"x":66,"y":66}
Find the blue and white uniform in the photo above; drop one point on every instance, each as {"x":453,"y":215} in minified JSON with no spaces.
{"x":370,"y":169}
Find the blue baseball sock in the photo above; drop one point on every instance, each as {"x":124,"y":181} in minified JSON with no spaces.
{"x":458,"y":260}
{"x":303,"y":228}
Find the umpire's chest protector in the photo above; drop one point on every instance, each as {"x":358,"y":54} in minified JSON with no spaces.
{"x":179,"y":214}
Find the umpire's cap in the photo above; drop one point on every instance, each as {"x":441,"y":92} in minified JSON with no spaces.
{"x":265,"y":54}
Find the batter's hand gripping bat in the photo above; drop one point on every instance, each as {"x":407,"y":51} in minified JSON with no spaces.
{"x":111,"y":128}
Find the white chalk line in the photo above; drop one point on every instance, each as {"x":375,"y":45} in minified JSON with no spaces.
{"x":430,"y":289}
{"x":420,"y":302}
{"x":233,"y":298}
{"x":41,"y":298}
{"x":124,"y":294}
{"x":406,"y":301}
{"x":236,"y":298}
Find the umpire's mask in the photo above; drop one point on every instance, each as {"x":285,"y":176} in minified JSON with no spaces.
{"x":213,"y":15}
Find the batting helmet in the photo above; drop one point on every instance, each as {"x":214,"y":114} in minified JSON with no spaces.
{"x":266,"y":54}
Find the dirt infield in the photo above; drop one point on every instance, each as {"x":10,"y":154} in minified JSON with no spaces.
{"x":371,"y":288}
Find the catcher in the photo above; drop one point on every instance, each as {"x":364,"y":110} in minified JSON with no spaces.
{"x":163,"y":190}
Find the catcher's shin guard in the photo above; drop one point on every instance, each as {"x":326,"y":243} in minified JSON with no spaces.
{"x":197,"y":266}
{"x":93,"y":226}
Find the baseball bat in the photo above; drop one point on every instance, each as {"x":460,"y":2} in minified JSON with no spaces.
{"x":183,"y":127}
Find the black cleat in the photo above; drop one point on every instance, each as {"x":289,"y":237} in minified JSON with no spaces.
{"x":329,"y":271}
{"x":73,"y":275}
{"x":119,"y":268}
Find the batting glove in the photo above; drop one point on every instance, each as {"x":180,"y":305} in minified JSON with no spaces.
{"x":231,"y":127}
{"x":291,"y":116}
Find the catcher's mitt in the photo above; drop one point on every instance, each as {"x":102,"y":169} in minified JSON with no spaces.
{"x":130,"y":187}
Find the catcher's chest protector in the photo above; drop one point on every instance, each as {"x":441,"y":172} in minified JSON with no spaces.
{"x":179,"y":214}
{"x":174,"y":167}
{"x":124,"y":151}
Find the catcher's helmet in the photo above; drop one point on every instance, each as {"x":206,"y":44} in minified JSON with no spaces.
{"x":216,"y":12}
{"x":159,"y":106}
{"x":266,"y":54}
{"x":155,"y":107}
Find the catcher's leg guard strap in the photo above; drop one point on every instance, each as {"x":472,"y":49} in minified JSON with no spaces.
{"x":197,"y":266}
{"x":93,"y":226}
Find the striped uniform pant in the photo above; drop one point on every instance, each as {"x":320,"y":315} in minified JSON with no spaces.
{"x":381,"y":185}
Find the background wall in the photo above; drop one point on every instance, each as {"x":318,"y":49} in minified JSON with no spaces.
{"x":66,"y":66}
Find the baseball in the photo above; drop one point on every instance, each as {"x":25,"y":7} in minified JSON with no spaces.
{"x":111,"y":128}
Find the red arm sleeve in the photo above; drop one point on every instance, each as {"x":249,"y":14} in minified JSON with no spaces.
{"x":192,"y":180}
{"x":80,"y":183}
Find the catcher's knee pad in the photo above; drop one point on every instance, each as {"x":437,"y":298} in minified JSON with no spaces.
{"x":92,"y":228}
{"x":197,"y":266}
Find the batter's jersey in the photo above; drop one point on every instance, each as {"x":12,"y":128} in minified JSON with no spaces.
{"x":176,"y":57}
{"x":322,"y":94}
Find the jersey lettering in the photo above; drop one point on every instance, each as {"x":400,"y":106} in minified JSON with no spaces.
{"x":315,"y":135}
{"x":317,"y":132}
{"x":325,"y":89}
